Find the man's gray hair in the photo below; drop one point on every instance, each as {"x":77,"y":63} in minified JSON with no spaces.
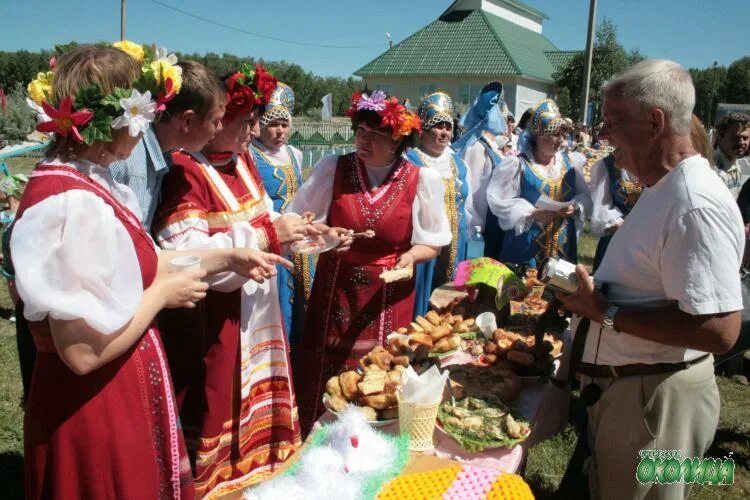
{"x":657,"y":83}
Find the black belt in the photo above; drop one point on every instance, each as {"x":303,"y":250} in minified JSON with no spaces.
{"x":608,"y":371}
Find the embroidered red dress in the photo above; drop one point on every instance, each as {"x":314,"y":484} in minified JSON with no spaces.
{"x":112,"y":433}
{"x":351,"y":309}
{"x":229,"y":357}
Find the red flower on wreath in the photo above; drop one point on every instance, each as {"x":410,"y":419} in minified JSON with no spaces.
{"x":265,"y":83}
{"x":164,"y":97}
{"x":352,"y":110}
{"x":63,"y":120}
{"x":393,"y":115}
{"x":411,"y":123}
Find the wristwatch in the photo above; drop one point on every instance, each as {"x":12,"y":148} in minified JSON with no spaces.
{"x":609,"y":318}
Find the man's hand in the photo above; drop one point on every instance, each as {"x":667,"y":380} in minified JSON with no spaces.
{"x":587,"y":301}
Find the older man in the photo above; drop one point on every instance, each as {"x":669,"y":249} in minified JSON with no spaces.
{"x":671,"y":276}
{"x":734,"y":139}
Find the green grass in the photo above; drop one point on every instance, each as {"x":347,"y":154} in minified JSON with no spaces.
{"x":22,"y":165}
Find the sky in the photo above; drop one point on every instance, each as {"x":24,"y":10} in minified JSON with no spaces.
{"x":336,"y":37}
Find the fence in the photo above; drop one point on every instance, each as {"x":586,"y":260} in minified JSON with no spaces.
{"x":29,"y":150}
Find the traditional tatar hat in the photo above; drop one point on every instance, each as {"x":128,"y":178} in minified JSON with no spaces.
{"x":547,"y":119}
{"x":436,"y":108}
{"x":280,"y":106}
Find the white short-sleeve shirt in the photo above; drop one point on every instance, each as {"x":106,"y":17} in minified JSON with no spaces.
{"x":681,"y":244}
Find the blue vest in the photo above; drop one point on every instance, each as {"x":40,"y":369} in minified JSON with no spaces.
{"x":441,"y":269}
{"x":556,"y":239}
{"x":281,"y":184}
{"x":624,"y":195}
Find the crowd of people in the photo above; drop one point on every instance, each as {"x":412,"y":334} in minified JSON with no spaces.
{"x":150,"y":382}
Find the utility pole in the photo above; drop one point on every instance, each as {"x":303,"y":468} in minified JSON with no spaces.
{"x":587,"y":61}
{"x":122,"y":19}
{"x":711,"y":97}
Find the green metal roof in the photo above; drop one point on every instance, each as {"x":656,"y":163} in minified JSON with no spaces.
{"x":467,"y":43}
{"x":561,"y":58}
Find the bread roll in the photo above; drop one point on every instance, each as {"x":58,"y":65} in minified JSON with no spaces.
{"x":337,"y":403}
{"x":440,"y":331}
{"x":447,"y":344}
{"x":416,"y":339}
{"x":333,"y":388}
{"x":348,"y":381}
{"x":379,"y":401}
{"x":433,"y":318}
{"x":396,"y":274}
{"x":426,"y":325}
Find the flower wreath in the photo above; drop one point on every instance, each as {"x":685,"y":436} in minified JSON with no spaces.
{"x":90,"y":115}
{"x":248,"y":88}
{"x":393,"y":114}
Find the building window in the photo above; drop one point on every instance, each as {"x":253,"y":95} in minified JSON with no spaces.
{"x":387,"y":88}
{"x":466,"y":96}
{"x":425,"y":90}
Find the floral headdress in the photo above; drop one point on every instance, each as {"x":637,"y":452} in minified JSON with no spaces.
{"x":90,"y":115}
{"x":392,"y":113}
{"x":248,"y":89}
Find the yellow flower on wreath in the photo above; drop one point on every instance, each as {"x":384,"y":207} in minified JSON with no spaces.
{"x":164,"y":70}
{"x":40,"y":88}
{"x":133,"y":49}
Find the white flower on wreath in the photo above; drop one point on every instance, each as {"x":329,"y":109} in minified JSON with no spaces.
{"x":162,"y":54}
{"x":41,"y":116}
{"x":139,"y":112}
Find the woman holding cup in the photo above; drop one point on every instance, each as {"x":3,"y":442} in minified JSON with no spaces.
{"x":100,"y":418}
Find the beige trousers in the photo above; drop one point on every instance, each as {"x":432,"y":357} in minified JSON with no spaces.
{"x":672,"y":411}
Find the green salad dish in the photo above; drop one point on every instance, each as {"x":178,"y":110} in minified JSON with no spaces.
{"x":481,"y":424}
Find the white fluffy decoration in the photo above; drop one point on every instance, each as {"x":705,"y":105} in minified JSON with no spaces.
{"x":338,"y":469}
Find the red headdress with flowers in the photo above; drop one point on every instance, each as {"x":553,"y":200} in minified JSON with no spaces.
{"x":247,"y":89}
{"x":392,"y":113}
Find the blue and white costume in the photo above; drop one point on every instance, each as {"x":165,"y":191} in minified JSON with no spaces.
{"x":482,"y":122}
{"x":520,"y":181}
{"x":281,"y":173}
{"x":435,"y":109}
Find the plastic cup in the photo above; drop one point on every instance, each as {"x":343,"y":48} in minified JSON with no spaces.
{"x":487,"y":324}
{"x":185,"y":263}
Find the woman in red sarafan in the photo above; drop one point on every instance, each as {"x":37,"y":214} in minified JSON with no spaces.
{"x":230,"y":361}
{"x":351,"y":309}
{"x":101,"y":418}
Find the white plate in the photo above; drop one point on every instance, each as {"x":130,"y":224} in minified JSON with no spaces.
{"x":374,"y":423}
{"x":315,"y":244}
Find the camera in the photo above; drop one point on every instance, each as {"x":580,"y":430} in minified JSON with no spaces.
{"x":558,"y":275}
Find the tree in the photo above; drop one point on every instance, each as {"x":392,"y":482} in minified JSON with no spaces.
{"x":737,"y":84}
{"x":709,"y":86}
{"x":609,"y":58}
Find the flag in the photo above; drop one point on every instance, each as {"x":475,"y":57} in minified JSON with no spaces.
{"x":3,"y":102}
{"x":327,"y":111}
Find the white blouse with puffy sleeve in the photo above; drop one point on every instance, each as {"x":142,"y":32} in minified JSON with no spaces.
{"x":513,"y":211}
{"x":74,"y":259}
{"x":430,"y":224}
